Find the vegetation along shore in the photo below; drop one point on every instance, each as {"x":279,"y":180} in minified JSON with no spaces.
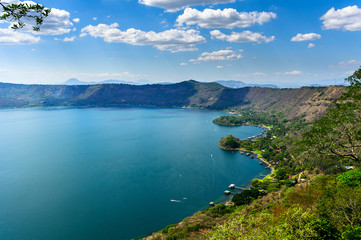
{"x":315,"y":189}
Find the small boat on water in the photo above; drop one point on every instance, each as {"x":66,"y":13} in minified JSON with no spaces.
{"x":227,"y":192}
{"x":252,"y":156}
{"x":211,"y":204}
{"x":232,"y":186}
{"x":247,"y":154}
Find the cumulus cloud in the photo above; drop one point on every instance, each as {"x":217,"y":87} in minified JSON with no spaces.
{"x":219,"y":67}
{"x":221,"y":55}
{"x":242,"y":37}
{"x":173,"y":40}
{"x":175,"y":5}
{"x":347,"y":19}
{"x":183,"y":64}
{"x":57,"y":23}
{"x":227,"y":18}
{"x":76,"y":20}
{"x":311,"y":45}
{"x":11,"y":37}
{"x":306,"y":37}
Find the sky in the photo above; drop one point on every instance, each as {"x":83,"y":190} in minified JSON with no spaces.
{"x":282,"y":42}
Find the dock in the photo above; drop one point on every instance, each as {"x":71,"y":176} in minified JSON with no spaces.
{"x":233,"y":186}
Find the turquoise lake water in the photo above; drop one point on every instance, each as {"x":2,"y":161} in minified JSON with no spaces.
{"x":112,"y":173}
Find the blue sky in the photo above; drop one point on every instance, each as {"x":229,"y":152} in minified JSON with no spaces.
{"x":287,"y":43}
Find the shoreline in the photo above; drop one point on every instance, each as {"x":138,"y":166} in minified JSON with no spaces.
{"x":226,"y":202}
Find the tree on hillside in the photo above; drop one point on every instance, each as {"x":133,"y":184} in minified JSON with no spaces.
{"x":338,"y":134}
{"x":20,"y":12}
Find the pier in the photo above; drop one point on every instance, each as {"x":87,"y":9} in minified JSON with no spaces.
{"x":233,"y":186}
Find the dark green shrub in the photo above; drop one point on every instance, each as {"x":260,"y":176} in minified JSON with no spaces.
{"x":325,"y":230}
{"x":192,"y":228}
{"x":246,"y":196}
{"x":231,"y":142}
{"x":220,"y":210}
{"x":166,"y":229}
{"x":352,"y":234}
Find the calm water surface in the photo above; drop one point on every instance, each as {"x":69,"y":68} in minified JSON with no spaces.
{"x":111,"y":173}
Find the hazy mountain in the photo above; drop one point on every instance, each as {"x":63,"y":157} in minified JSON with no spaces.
{"x":74,"y":81}
{"x":240,"y":84}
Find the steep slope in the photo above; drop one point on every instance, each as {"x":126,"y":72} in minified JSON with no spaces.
{"x":18,"y":95}
{"x":310,"y":102}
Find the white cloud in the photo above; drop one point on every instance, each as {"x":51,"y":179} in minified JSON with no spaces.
{"x":219,"y":67}
{"x":227,"y":18}
{"x":183,"y":64}
{"x":351,"y":63}
{"x":95,"y":18}
{"x":76,"y":20}
{"x":66,"y":39}
{"x":57,"y":23}
{"x":221,"y":55}
{"x":11,"y":1}
{"x":175,"y":5}
{"x":11,"y":37}
{"x":259,"y":74}
{"x":347,"y":19}
{"x":69,"y":39}
{"x":295,"y":72}
{"x":83,"y":34}
{"x":306,"y":37}
{"x":242,"y":37}
{"x":250,"y":75}
{"x":311,"y":45}
{"x":173,"y":40}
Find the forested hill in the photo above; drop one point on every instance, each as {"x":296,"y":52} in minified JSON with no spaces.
{"x":292,"y":102}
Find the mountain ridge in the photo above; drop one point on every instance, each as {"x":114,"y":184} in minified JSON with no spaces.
{"x":313,"y":101}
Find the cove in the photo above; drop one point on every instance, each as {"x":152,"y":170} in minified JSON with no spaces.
{"x":112,"y":173}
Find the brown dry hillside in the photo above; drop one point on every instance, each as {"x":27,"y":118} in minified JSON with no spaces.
{"x":309,"y":102}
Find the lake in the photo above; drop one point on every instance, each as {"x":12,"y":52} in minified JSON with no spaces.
{"x":112,"y":173}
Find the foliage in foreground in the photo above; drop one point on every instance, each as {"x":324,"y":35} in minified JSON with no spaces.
{"x":326,"y":209}
{"x":337,"y":136}
{"x":16,"y":13}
